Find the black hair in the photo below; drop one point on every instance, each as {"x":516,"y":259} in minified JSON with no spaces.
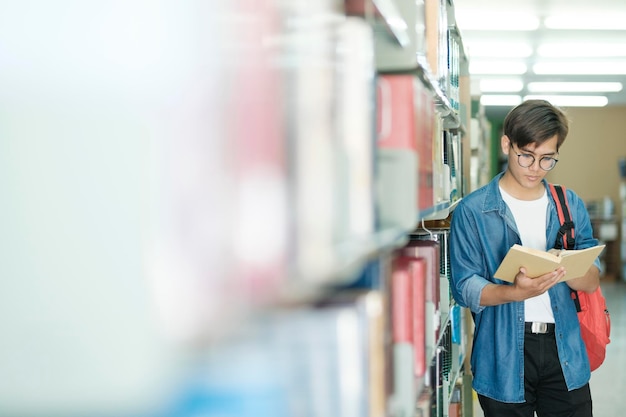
{"x":536,"y":121}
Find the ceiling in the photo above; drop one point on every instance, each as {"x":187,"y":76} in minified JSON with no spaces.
{"x":523,"y":47}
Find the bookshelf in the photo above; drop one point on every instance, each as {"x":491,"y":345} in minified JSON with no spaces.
{"x":213,"y":225}
{"x":335,"y":288}
{"x":480,"y":148}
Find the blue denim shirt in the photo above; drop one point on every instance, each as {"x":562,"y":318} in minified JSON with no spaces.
{"x":482,"y":231}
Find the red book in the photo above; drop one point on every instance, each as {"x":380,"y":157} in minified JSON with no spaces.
{"x":425,"y":129}
{"x":397,"y":111}
{"x":360,"y":8}
{"x":406,"y":114}
{"x":419,"y":315}
{"x":409,"y":307}
{"x":429,"y":250}
{"x":402,"y":299}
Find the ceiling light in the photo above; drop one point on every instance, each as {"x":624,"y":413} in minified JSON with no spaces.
{"x":500,"y":100}
{"x":582,"y":67}
{"x":499,"y":49}
{"x":496,"y":21}
{"x":586,"y":21}
{"x":503,"y":85}
{"x":572,"y":101}
{"x":574,"y":87}
{"x":577,"y":49}
{"x":497,"y":67}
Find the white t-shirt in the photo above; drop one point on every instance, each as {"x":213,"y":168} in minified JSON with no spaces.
{"x":531,"y":220}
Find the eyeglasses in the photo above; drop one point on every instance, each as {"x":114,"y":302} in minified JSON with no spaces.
{"x":526,"y":160}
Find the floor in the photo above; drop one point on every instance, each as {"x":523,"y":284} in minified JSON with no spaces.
{"x":608,"y":383}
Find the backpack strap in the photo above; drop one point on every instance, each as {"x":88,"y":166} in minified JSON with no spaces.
{"x":566,"y":235}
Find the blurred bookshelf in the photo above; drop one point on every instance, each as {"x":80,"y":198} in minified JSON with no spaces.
{"x":270,"y":232}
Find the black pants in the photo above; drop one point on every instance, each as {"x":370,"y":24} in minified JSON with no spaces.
{"x":546,"y":392}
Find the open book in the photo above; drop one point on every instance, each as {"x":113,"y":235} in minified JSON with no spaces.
{"x":537,"y":262}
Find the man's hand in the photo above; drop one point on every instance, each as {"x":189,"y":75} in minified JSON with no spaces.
{"x":528,"y":287}
{"x":523,"y":287}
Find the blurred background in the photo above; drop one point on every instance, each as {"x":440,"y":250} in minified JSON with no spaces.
{"x":572,"y":52}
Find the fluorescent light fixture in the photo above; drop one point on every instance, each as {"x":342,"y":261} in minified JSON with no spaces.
{"x":572,"y":101}
{"x":501,"y":85}
{"x":579,"y":49}
{"x":508,"y":21}
{"x":586,"y":21}
{"x":581,"y":67}
{"x":497,"y":67}
{"x":500,"y":100}
{"x":574,"y":87}
{"x":499,"y":50}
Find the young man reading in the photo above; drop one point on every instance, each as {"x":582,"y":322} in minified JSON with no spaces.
{"x":528,"y":355}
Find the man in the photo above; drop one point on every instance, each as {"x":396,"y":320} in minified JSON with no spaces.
{"x":520,"y":368}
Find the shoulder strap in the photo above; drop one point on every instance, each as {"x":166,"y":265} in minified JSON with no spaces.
{"x":566,"y":236}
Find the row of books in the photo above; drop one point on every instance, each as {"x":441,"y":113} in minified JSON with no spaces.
{"x":429,"y":40}
{"x":322,"y":154}
{"x":327,"y":359}
{"x":259,"y":134}
{"x":356,"y":353}
{"x":323,"y":151}
{"x":428,"y":327}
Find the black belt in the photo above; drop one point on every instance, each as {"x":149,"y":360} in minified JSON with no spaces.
{"x":539,"y":328}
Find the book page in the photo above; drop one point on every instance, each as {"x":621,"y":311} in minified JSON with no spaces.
{"x":578,"y":262}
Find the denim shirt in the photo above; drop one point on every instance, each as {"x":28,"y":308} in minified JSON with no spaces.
{"x":482,"y":231}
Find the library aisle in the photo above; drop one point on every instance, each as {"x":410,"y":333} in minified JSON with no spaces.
{"x":608,"y":383}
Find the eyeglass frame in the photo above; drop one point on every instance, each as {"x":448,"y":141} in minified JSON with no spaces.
{"x":526,"y":155}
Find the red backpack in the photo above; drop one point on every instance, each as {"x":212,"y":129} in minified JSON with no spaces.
{"x":593,"y":315}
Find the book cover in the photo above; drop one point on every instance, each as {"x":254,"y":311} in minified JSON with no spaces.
{"x":429,"y":251}
{"x":419,"y":316}
{"x":396,"y":112}
{"x":403,"y":403}
{"x":358,"y":366}
{"x":355,"y":125}
{"x":425,"y":116}
{"x":409,"y":307}
{"x":537,"y":262}
{"x":402,"y":300}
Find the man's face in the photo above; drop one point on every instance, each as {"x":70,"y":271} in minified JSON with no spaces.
{"x":525,"y":164}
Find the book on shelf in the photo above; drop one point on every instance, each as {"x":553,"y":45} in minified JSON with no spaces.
{"x":328,"y":358}
{"x":404,"y":382}
{"x":358,"y":362}
{"x":429,"y":251}
{"x":425,"y":115}
{"x":537,"y":262}
{"x":409,"y":307}
{"x":402,"y":300}
{"x":419,"y":316}
{"x":397,"y":160}
{"x":355,"y":127}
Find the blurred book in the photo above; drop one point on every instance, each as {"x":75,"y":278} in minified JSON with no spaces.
{"x":429,"y":250}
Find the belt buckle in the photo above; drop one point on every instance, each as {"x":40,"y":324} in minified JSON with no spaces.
{"x":540,"y":328}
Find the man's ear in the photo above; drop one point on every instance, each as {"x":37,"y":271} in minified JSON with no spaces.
{"x":505,"y":144}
